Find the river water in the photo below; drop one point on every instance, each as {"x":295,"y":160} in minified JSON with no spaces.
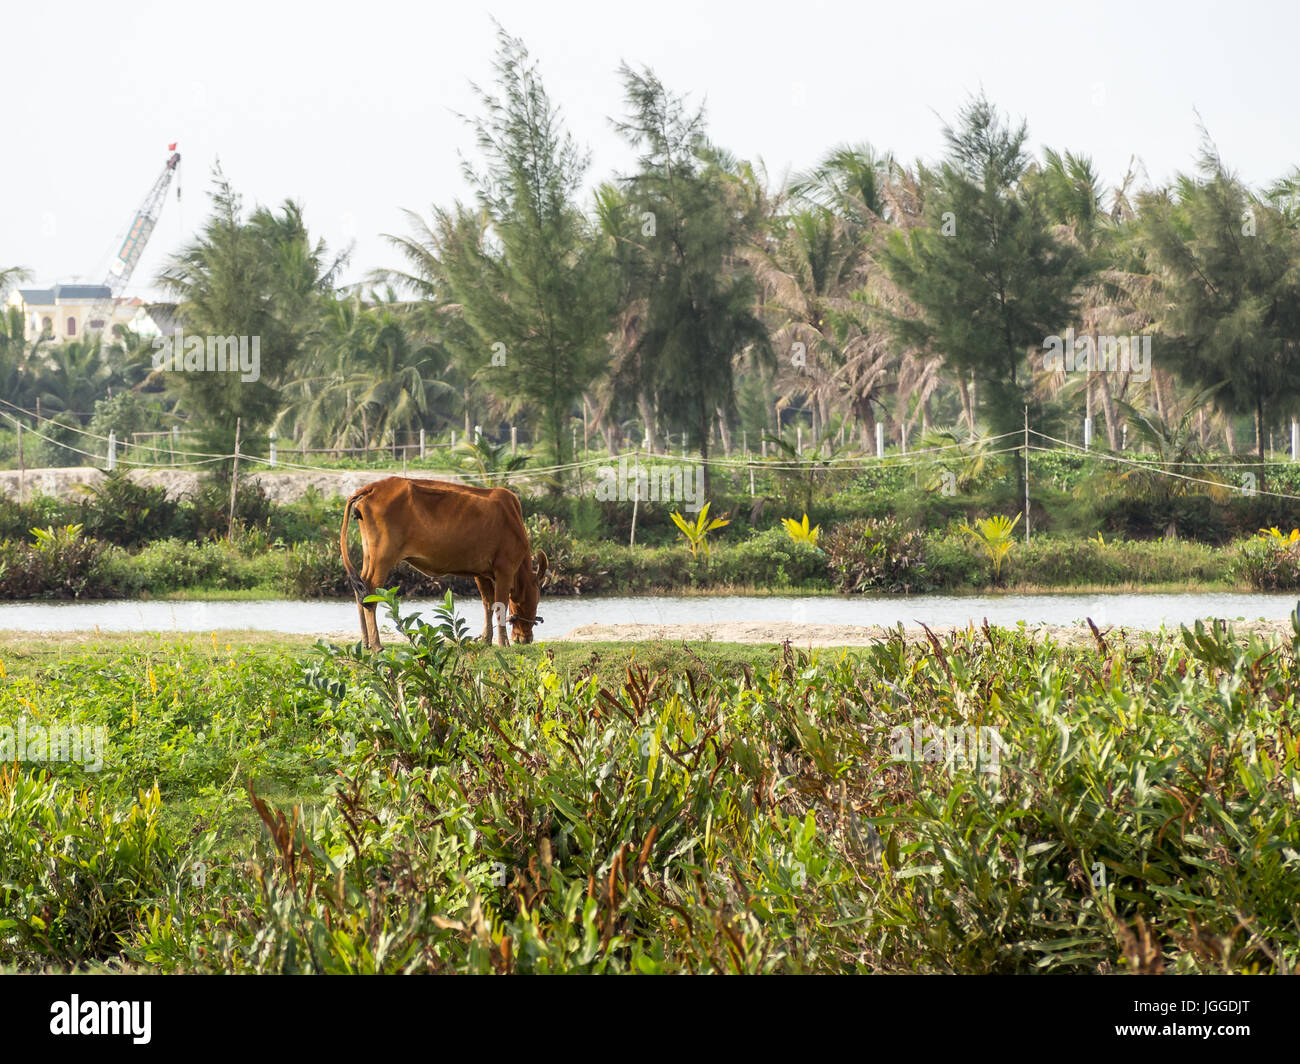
{"x":562,"y":615}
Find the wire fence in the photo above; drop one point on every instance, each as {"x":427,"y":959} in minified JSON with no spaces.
{"x":814,"y":461}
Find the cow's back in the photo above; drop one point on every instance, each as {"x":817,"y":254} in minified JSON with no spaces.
{"x":455,"y":528}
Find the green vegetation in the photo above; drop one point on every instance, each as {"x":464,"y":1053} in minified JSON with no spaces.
{"x":977,"y":803}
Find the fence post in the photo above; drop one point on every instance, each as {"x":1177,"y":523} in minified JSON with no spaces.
{"x":636,"y":496}
{"x":22,"y":468}
{"x":1087,"y":433}
{"x":273,"y":448}
{"x":176,"y":438}
{"x":112,"y":451}
{"x":880,"y":439}
{"x":422,"y":443}
{"x":1026,"y":474}
{"x":1295,"y":440}
{"x":514,"y":440}
{"x":798,"y":435}
{"x":234,"y":481}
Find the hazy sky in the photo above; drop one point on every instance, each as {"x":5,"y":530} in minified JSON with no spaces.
{"x":352,"y":108}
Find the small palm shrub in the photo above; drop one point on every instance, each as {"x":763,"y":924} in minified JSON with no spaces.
{"x":995,"y":536}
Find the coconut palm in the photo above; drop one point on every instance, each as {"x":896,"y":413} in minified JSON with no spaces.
{"x":70,"y":377}
{"x":489,"y":463}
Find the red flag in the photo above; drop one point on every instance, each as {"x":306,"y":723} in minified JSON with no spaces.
{"x":172,"y":145}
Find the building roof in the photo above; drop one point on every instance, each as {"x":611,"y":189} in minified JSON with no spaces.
{"x":44,"y":297}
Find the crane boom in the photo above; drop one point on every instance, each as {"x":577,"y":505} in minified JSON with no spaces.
{"x":133,"y":245}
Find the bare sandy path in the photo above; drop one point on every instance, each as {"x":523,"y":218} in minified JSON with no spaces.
{"x":839,"y":635}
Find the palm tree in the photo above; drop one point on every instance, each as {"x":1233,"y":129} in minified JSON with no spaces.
{"x":489,"y":462}
{"x":372,"y":376}
{"x":72,"y":376}
{"x":1118,"y":297}
{"x":19,"y":360}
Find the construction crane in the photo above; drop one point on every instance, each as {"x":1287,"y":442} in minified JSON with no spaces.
{"x":133,"y":245}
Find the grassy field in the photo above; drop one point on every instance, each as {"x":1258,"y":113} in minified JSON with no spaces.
{"x":978,"y":804}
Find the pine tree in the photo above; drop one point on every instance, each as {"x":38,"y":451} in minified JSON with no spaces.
{"x":988,"y":276}
{"x":699,"y":298}
{"x":1229,"y":266}
{"x":532,"y":281}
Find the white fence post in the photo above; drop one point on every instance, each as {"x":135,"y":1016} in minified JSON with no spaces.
{"x":1087,"y":433}
{"x":272,"y":458}
{"x":880,"y":439}
{"x":112,"y":451}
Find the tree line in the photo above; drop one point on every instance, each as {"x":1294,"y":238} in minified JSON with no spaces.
{"x":693,"y":300}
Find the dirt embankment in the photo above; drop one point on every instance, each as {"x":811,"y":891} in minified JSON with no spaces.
{"x":280,"y":486}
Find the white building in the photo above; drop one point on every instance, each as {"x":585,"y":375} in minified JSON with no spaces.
{"x":69,"y":311}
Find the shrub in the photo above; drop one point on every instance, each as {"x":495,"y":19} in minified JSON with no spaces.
{"x":17,"y":519}
{"x":572,"y":568}
{"x":78,"y":868}
{"x":173,"y":565}
{"x":1269,"y":564}
{"x":118,"y":510}
{"x":877,"y":555}
{"x":771,"y":559}
{"x":207,"y":514}
{"x":61,"y":564}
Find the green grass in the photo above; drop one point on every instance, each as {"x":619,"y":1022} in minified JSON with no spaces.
{"x":653,"y":807}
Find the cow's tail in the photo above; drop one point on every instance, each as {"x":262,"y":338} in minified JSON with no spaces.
{"x":354,"y":578}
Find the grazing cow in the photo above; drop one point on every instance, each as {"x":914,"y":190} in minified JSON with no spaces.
{"x":446,"y":529}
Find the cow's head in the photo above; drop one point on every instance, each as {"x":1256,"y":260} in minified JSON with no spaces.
{"x":523,"y":603}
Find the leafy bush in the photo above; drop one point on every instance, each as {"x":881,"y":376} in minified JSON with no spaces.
{"x":17,"y":519}
{"x":778,"y":819}
{"x":877,"y":555}
{"x":1269,"y":564}
{"x":61,"y":564}
{"x":207,"y":514}
{"x":118,"y":510}
{"x":174,"y":565}
{"x":770,"y":559}
{"x":572,"y":568}
{"x":78,"y":869}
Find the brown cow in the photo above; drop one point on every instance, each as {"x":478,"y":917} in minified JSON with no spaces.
{"x":446,"y":529}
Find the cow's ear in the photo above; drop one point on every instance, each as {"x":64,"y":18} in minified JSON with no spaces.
{"x":540,"y":559}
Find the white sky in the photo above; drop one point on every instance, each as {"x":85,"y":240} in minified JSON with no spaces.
{"x":350,"y":108}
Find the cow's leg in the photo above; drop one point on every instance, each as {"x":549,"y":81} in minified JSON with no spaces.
{"x":500,"y":605}
{"x":485,"y":592}
{"x":361,"y":614}
{"x":378,"y":565}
